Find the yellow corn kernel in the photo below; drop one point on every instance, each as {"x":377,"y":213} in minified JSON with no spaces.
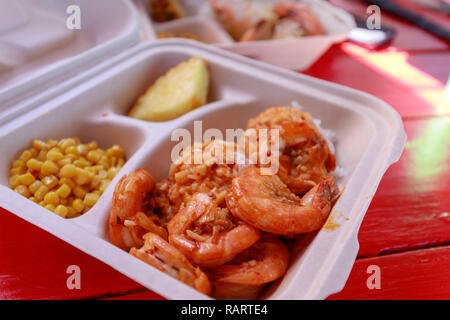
{"x":14,"y":181}
{"x":18,"y":164}
{"x":72,"y":150}
{"x":49,"y":167}
{"x":39,"y":144}
{"x":113,"y":161}
{"x":52,"y":143}
{"x":82,"y":149}
{"x":116,"y":151}
{"x":34,"y":187}
{"x":120,"y":163}
{"x":17,"y":171}
{"x":51,"y":198}
{"x":54,"y":155}
{"x":81,"y":163}
{"x":78,"y":205}
{"x":94,"y":156}
{"x":102,"y":174}
{"x":50,"y":181}
{"x":41,"y":192}
{"x":50,"y":207}
{"x":79,"y":192}
{"x":67,"y":181}
{"x":92,"y":145}
{"x":90,"y":199}
{"x":104,"y":185}
{"x":34,"y":165}
{"x":112,"y":173}
{"x":23,"y":190}
{"x":63,"y":191}
{"x":71,"y":213}
{"x":33,"y":199}
{"x":91,"y":170}
{"x":61,"y":211}
{"x":34,"y":152}
{"x":65,"y":161}
{"x":25,"y":156}
{"x":42,"y":156}
{"x":69,"y":171}
{"x":83,"y":177}
{"x":27,"y":179}
{"x":71,"y":157}
{"x":95,"y":183}
{"x":66,"y":143}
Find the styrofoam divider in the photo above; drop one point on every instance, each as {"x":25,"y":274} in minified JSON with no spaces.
{"x":295,"y":54}
{"x":39,"y":51}
{"x":369,"y":137}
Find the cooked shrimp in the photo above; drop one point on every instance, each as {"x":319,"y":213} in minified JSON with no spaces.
{"x":305,"y":158}
{"x":266,"y":203}
{"x":208,"y":234}
{"x":233,"y":16}
{"x":129,"y":220}
{"x":262,"y":30}
{"x":210,"y":174}
{"x":243,"y":278}
{"x":301,"y":14}
{"x":160,"y":254}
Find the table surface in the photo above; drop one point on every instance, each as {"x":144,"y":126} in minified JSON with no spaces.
{"x":406,"y":231}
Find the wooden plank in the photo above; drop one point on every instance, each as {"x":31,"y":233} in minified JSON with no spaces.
{"x":33,"y":265}
{"x":413,"y":84}
{"x":411,"y":208}
{"x":420,"y":274}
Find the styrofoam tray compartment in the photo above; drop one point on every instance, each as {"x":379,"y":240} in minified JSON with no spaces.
{"x":39,"y":50}
{"x":295,"y":54}
{"x":369,"y":137}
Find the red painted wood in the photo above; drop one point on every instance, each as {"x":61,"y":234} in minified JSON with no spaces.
{"x":411,"y":208}
{"x":421,"y":274}
{"x":413,"y":84}
{"x":33,"y":265}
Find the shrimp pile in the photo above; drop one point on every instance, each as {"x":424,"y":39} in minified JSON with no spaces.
{"x":220,"y":226}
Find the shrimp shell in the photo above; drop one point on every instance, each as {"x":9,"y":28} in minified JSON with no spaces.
{"x":209,"y":250}
{"x":127,"y":220}
{"x":266,"y":261}
{"x":160,"y":254}
{"x":266,"y":203}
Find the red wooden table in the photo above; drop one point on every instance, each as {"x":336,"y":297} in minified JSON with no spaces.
{"x":405,"y":233}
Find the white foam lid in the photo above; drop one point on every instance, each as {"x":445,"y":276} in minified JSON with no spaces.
{"x":39,"y":50}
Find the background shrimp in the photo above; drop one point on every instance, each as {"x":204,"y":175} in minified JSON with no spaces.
{"x":244,"y":277}
{"x":131,"y":213}
{"x":207,"y":234}
{"x":266,"y":203}
{"x":160,"y":254}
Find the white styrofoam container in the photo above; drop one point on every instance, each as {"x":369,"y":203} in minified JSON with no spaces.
{"x":38,"y":50}
{"x":93,"y":106}
{"x":295,"y":54}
